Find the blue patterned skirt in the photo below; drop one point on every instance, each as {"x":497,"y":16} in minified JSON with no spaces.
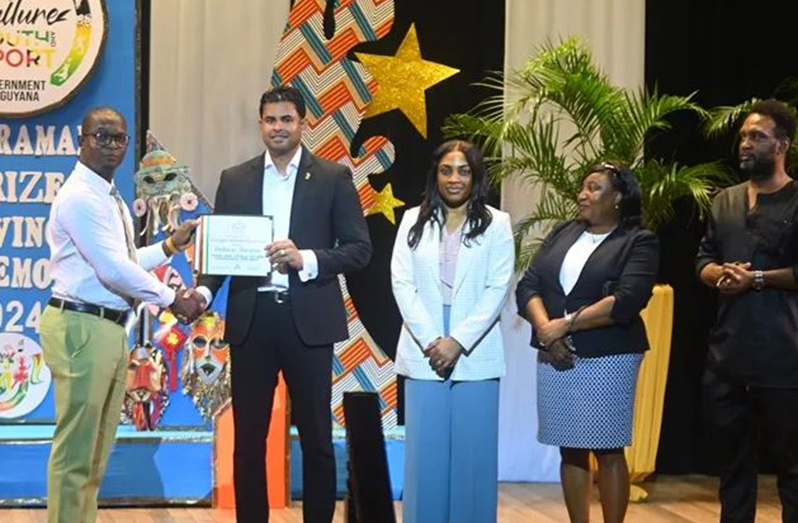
{"x":589,"y":406}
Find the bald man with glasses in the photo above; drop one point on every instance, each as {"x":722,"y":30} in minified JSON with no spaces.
{"x":98,"y":273}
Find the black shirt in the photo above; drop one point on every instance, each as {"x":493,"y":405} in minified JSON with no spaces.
{"x":754,"y":340}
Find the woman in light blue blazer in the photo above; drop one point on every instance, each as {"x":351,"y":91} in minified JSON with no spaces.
{"x":451,"y":270}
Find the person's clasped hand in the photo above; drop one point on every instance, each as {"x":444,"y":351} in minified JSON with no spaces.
{"x":443,"y":354}
{"x":735,"y":278}
{"x":560,"y":354}
{"x":188,"y":305}
{"x":552,"y":330}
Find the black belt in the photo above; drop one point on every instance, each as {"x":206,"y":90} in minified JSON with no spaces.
{"x":116,"y":316}
{"x":279,"y":297}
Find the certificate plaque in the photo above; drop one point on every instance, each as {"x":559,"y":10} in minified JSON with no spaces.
{"x":233,"y":245}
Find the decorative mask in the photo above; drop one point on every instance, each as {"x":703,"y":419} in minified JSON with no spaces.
{"x":163,"y":188}
{"x":206,"y":369}
{"x":170,"y":337}
{"x":145,"y":381}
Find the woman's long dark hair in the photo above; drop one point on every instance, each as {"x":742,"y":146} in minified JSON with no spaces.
{"x":433,"y":209}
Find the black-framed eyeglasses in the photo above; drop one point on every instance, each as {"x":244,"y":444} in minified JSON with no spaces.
{"x":105,"y":139}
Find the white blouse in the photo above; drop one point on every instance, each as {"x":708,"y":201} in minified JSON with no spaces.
{"x":577,"y":256}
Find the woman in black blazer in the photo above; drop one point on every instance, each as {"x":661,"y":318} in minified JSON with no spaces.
{"x":583,"y":294}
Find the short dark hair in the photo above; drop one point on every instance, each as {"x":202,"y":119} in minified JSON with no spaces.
{"x":283,"y":93}
{"x":94,"y":111}
{"x":624,"y":181}
{"x":780,"y":113}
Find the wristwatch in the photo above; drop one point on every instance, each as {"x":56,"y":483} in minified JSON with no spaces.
{"x":759,"y":281}
{"x":569,"y":318}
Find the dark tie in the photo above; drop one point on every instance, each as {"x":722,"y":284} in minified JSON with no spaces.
{"x":128,"y":226}
{"x":120,"y":207}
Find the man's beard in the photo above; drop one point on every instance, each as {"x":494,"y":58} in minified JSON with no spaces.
{"x":758,"y":168}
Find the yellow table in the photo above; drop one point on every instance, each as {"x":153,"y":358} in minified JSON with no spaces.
{"x":650,"y":395}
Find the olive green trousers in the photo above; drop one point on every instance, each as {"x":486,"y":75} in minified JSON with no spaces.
{"x":87,"y":356}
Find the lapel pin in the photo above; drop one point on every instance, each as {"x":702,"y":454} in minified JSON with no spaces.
{"x":307,"y":176}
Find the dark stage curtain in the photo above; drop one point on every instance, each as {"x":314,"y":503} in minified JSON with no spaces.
{"x":728,"y":52}
{"x":468,"y":36}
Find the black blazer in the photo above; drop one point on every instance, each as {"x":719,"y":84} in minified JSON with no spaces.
{"x":624,"y":265}
{"x":326,"y":217}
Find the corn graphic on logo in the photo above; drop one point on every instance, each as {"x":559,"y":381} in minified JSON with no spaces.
{"x":48,"y":49}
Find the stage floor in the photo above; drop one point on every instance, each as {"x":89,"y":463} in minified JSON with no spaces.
{"x":681,"y":499}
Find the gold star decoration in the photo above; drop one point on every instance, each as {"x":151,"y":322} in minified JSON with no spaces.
{"x":385,"y":203}
{"x":402,"y":80}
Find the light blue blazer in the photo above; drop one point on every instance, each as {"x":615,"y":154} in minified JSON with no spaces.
{"x":481,"y":286}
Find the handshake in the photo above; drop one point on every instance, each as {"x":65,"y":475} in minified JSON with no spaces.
{"x":188,"y":305}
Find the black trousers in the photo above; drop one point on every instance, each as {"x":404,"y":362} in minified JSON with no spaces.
{"x":737,"y":417}
{"x":273,"y":345}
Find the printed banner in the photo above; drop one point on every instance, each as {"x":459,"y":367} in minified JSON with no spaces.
{"x":37,"y":153}
{"x":48,"y":49}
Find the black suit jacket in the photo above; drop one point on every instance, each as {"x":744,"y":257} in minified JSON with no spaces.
{"x":326,"y":217}
{"x":624,"y":265}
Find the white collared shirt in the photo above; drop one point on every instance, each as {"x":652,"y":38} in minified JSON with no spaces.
{"x":576,"y":258}
{"x":278,"y":197}
{"x":89,"y":260}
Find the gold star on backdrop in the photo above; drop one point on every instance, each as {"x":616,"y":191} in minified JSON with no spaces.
{"x":385,"y":203}
{"x":402,"y":80}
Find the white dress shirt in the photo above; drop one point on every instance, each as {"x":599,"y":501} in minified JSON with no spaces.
{"x":278,"y":197}
{"x":89,"y":261}
{"x":576,"y":258}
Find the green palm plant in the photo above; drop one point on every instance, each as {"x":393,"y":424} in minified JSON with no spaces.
{"x":558,"y":115}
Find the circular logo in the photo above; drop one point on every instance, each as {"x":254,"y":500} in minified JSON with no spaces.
{"x":48,"y":49}
{"x":24,"y":378}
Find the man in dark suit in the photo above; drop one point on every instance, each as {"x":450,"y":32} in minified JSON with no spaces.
{"x":289,"y":321}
